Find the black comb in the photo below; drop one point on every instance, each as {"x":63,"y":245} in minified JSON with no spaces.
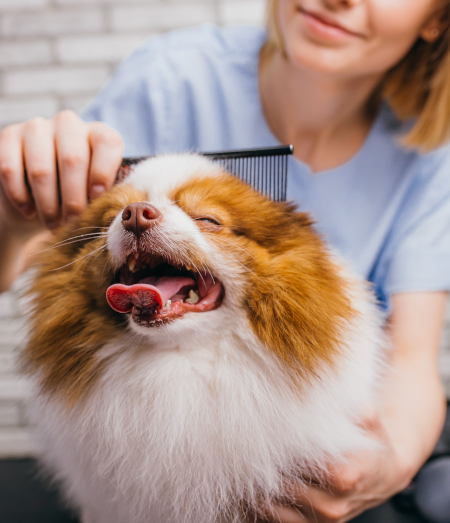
{"x":265,"y":169}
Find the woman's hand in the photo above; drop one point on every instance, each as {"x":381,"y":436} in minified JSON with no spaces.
{"x":66,"y":161}
{"x":365,"y":481}
{"x":407,"y":426}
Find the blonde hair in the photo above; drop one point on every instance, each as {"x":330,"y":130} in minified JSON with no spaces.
{"x":417,"y":87}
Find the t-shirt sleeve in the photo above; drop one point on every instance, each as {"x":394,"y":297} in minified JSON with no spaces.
{"x":417,"y":256}
{"x":133,"y":102}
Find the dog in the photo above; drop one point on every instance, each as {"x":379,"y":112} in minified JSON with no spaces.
{"x":194,"y":348}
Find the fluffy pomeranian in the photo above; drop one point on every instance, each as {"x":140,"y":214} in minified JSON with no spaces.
{"x":194,"y":348}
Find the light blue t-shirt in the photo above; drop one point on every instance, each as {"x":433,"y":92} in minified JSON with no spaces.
{"x":386,"y":210}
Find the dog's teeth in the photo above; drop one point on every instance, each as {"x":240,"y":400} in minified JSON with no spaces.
{"x":131,"y":263}
{"x":136,"y":255}
{"x":168,"y":305}
{"x":193,"y":297}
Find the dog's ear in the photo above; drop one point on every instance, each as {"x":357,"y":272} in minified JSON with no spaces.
{"x":298,"y":302}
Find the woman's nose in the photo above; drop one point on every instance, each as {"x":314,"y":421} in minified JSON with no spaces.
{"x":138,"y":217}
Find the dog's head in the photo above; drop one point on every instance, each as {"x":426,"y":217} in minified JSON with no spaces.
{"x":184,"y":251}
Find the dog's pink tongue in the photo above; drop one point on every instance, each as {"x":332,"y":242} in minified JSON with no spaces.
{"x":150,"y":293}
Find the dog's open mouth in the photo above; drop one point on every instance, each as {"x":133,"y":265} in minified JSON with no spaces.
{"x":155,"y":291}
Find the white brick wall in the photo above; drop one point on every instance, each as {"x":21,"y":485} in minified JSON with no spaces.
{"x":15,"y":108}
{"x":97,"y":48}
{"x":19,"y":54}
{"x":15,"y":5}
{"x":56,"y":54}
{"x":55,"y":80}
{"x":16,"y":437}
{"x":162,"y":16}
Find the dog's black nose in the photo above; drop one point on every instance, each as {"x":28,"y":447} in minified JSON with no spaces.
{"x":138,"y":217}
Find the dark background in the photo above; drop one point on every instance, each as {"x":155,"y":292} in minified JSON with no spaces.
{"x":26,"y":497}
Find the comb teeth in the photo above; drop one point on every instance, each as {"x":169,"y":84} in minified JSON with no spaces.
{"x":265,"y":169}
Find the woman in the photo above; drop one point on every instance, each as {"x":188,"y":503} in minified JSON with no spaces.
{"x":377,"y":184}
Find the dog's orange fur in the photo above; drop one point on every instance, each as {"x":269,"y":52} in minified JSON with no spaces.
{"x":70,"y":319}
{"x":296,"y":301}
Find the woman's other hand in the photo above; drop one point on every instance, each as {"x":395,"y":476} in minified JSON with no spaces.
{"x":407,"y":426}
{"x":366,"y":480}
{"x":49,"y":169}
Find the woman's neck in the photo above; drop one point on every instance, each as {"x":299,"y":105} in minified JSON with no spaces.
{"x":327,"y":120}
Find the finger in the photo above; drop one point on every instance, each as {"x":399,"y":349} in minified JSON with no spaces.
{"x":276,"y":513}
{"x":371,"y":422}
{"x":322,"y":506}
{"x":288,"y":514}
{"x":73,"y":155}
{"x":12,"y":175}
{"x":106,"y":150}
{"x":39,"y":154}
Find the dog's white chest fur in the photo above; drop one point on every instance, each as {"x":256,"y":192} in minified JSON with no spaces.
{"x":185,"y":434}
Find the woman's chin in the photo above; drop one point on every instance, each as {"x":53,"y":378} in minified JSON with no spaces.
{"x":338,"y":61}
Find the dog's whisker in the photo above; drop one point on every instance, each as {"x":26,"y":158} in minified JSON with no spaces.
{"x":210,"y":273}
{"x":246,"y":268}
{"x":69,"y":241}
{"x":83,"y":264}
{"x":93,"y":260}
{"x":91,"y":227}
{"x":191,"y":262}
{"x":104,"y":266}
{"x":75,"y":261}
{"x":240,"y":247}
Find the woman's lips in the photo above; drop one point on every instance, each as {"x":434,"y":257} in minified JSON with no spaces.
{"x":325,"y":27}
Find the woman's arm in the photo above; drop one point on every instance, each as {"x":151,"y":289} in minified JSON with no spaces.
{"x":408,"y":424}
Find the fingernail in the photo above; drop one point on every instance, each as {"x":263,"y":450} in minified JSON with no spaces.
{"x":97,"y":190}
{"x":27,"y":209}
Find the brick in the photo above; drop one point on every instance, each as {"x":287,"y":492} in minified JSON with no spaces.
{"x":14,"y":388}
{"x":160,"y":17}
{"x":17,"y":109}
{"x":52,"y":22}
{"x":13,"y":334}
{"x":445,"y":339}
{"x":17,"y":443}
{"x":15,"y":5}
{"x":8,"y":303}
{"x":174,"y":3}
{"x":25,"y":53}
{"x":242,"y":12}
{"x":109,"y":48}
{"x":444,"y":365}
{"x":104,"y":2}
{"x":77,"y":103}
{"x":59,"y":80}
{"x":10,"y":414}
{"x":8,"y":364}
